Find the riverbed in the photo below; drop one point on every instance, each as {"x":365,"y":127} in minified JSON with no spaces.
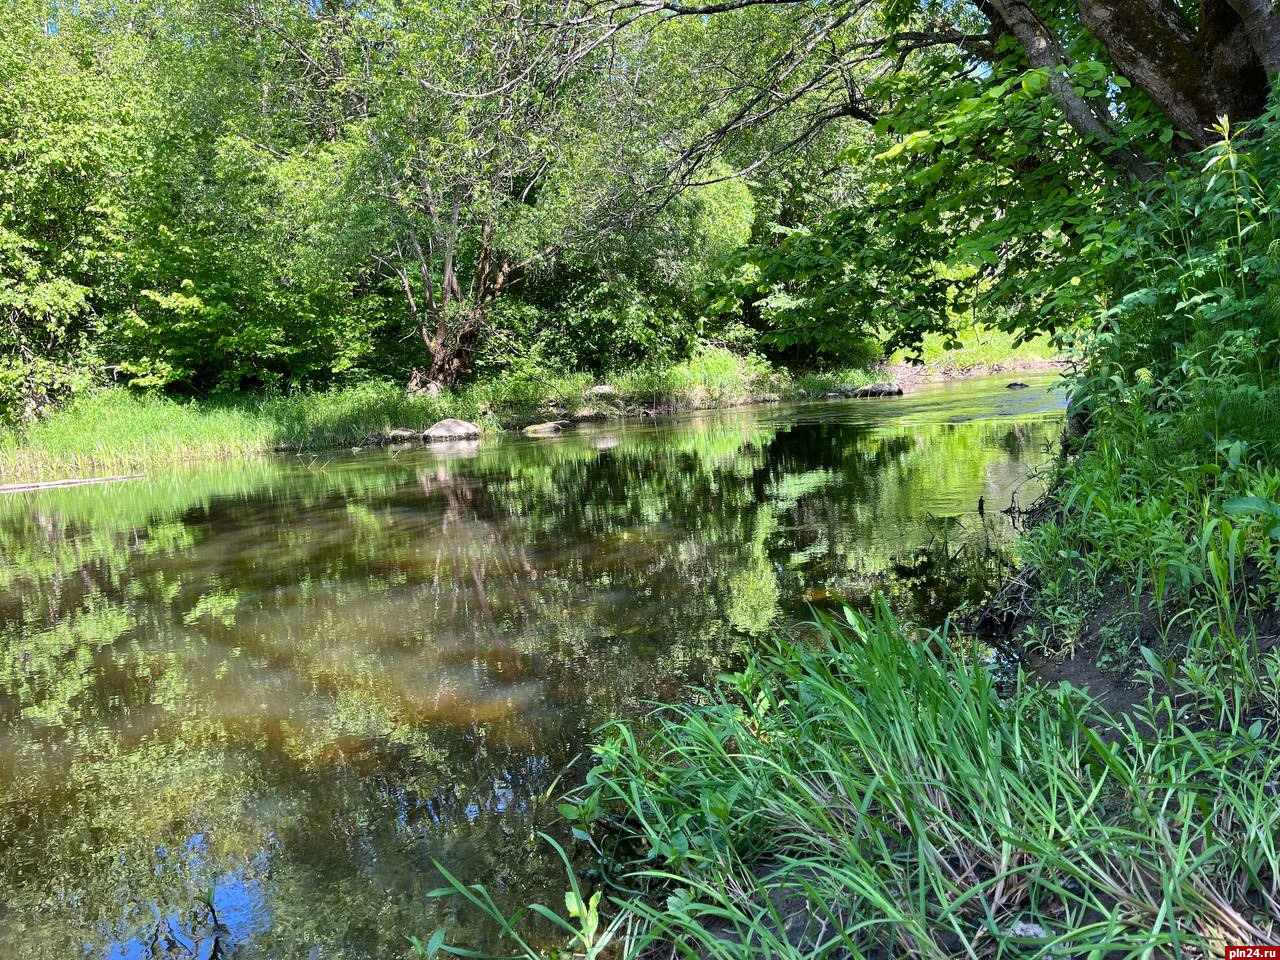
{"x":285,"y":686}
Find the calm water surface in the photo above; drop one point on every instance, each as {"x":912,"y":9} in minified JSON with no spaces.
{"x":296,"y":682}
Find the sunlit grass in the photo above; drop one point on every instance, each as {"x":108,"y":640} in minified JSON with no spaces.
{"x":817,"y":384}
{"x":115,"y":431}
{"x":119,"y":431}
{"x":979,"y":346}
{"x":874,"y":792}
{"x":712,"y":377}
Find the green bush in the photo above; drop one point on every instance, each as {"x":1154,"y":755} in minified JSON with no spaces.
{"x":1173,"y":493}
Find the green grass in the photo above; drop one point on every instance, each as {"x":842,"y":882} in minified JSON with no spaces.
{"x":117,"y":431}
{"x":816,"y":384}
{"x":980,"y":347}
{"x":1173,"y":503}
{"x":873,"y":792}
{"x":120,"y":431}
{"x":713,"y":377}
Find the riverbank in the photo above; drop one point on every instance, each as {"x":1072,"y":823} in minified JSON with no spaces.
{"x":887,"y":791}
{"x":877,"y":791}
{"x":117,"y":431}
{"x":880,"y":792}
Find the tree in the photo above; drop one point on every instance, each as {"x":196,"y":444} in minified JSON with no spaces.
{"x":1194,"y":62}
{"x":68,"y":137}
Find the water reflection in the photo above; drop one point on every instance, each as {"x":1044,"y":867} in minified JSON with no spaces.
{"x":284,"y":687}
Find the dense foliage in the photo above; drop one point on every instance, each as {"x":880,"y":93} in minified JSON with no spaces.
{"x":875,"y":792}
{"x":209,"y":197}
{"x":214,"y":197}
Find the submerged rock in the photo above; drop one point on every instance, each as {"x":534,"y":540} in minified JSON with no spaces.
{"x":549,"y":429}
{"x":451,"y":429}
{"x":455,"y":449}
{"x":1016,"y":385}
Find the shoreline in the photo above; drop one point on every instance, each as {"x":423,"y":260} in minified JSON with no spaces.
{"x":248,"y":431}
{"x":910,"y":376}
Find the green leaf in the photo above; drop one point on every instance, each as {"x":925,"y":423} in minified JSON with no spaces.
{"x":433,"y":945}
{"x":569,"y":811}
{"x":1244,"y":506}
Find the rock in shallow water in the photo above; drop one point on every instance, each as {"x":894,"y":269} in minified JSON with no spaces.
{"x":451,"y":429}
{"x":883,"y":389}
{"x":549,"y":429}
{"x":1017,"y":385}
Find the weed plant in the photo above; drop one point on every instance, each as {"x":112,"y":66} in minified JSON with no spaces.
{"x":1174,"y":496}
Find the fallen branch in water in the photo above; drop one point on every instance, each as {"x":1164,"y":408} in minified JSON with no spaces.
{"x":20,"y":487}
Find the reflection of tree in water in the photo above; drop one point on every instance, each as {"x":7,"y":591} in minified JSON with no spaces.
{"x":327,"y":678}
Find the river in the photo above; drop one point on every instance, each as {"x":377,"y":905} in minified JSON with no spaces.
{"x":291,"y":683}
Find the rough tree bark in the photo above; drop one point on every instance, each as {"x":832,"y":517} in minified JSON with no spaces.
{"x":1261,"y":20}
{"x":1088,"y":118}
{"x":1194,"y":75}
{"x":454,"y":322}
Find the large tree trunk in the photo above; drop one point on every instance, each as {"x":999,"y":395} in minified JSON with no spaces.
{"x":450,"y":353}
{"x":1262,"y":24}
{"x":1195,"y":76}
{"x":1087,"y":117}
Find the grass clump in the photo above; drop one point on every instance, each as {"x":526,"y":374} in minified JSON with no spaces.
{"x":122,"y":431}
{"x":712,"y":377}
{"x":818,"y":383}
{"x":875,"y":793}
{"x":1172,"y":500}
{"x":119,"y":431}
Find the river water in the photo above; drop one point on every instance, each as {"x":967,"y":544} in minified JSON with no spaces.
{"x":291,"y":684}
